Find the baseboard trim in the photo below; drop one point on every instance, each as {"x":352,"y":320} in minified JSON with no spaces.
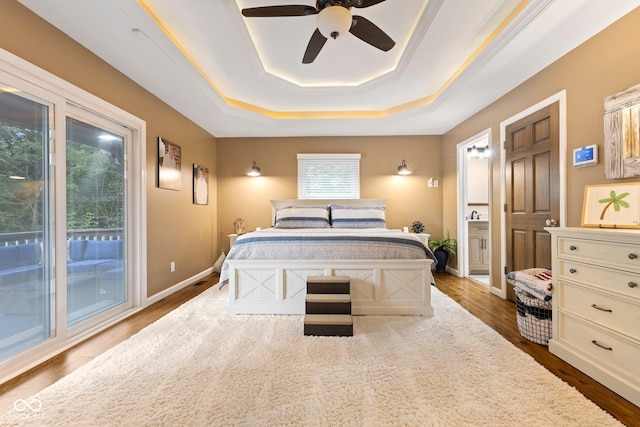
{"x":175,"y":288}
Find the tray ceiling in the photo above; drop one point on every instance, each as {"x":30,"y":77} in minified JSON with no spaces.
{"x":237,"y":76}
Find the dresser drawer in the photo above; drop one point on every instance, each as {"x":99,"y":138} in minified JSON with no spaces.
{"x":619,"y":281}
{"x":600,"y":252}
{"x":616,"y":353}
{"x":612,"y":312}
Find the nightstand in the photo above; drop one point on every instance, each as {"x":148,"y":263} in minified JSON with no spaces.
{"x":232,"y":239}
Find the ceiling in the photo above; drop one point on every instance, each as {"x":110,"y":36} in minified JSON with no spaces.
{"x":243,"y":77}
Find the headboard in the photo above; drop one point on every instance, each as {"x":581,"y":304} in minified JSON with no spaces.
{"x":276,"y":203}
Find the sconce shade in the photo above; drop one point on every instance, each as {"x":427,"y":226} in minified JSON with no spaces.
{"x":403,"y":169}
{"x":255,"y":170}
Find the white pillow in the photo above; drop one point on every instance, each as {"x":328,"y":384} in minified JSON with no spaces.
{"x":302,"y":217}
{"x":358,"y":217}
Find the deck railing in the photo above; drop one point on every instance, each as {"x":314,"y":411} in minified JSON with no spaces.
{"x":10,"y":239}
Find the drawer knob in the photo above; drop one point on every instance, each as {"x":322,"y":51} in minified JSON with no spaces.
{"x":572,"y":270}
{"x":633,"y":256}
{"x":604,"y":347}
{"x":572,"y":248}
{"x":608,"y":310}
{"x":632,"y":284}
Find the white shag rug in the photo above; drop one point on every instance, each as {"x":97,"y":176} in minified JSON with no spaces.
{"x":198,"y":367}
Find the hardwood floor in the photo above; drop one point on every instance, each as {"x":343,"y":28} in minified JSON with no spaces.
{"x":41,"y":376}
{"x":500,"y":315}
{"x":494,"y":311}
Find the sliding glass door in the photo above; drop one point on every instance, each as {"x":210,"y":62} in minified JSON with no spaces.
{"x":70,"y":219}
{"x":96,"y":220}
{"x":26,"y":294}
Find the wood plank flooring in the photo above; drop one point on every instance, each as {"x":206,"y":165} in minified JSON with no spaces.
{"x":494,"y":311}
{"x":501,"y":316}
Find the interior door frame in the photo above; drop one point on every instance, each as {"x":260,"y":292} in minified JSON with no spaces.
{"x":463,"y":230}
{"x":561,"y":99}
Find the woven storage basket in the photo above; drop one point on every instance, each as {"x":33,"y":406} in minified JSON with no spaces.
{"x":534,"y":317}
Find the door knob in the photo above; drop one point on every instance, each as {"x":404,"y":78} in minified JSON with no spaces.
{"x":551,"y":223}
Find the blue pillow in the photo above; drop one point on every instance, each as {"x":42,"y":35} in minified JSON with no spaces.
{"x":75,"y":249}
{"x":103,"y":249}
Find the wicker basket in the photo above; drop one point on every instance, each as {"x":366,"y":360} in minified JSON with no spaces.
{"x":534,"y":317}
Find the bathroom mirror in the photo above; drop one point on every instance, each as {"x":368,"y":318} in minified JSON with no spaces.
{"x":622,"y":134}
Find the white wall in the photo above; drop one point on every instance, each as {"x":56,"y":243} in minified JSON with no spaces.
{"x":478,"y":185}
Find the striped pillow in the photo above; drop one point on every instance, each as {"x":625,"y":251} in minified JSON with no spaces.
{"x":358,"y":217}
{"x":302,"y":217}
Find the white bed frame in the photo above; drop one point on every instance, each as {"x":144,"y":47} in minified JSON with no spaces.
{"x":378,"y":287}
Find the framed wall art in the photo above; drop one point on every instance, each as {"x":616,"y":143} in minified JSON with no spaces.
{"x":200,"y":185}
{"x":622,"y":134}
{"x":169,"y":165}
{"x":612,"y":205}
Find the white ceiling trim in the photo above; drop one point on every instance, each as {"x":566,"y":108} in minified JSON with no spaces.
{"x":551,"y":29}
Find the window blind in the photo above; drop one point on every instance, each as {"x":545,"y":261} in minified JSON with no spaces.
{"x":328,"y":176}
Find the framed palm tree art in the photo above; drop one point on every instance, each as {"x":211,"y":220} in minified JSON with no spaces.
{"x":612,"y":205}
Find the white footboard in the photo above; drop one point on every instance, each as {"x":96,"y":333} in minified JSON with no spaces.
{"x":390,"y":287}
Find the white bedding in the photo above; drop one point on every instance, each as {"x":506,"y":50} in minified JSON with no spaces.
{"x":325,"y":244}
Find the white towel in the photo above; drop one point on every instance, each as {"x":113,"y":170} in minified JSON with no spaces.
{"x":539,"y":285}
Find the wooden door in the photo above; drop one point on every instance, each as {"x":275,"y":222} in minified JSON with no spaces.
{"x":533,"y":187}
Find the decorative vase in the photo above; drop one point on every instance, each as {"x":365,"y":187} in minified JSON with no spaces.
{"x":442,"y":256}
{"x":239,"y":226}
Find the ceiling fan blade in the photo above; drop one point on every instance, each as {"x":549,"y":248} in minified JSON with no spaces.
{"x":365,"y":3}
{"x":314,"y":47}
{"x":369,"y":32}
{"x":274,"y":11}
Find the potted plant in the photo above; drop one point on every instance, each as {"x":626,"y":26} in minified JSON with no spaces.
{"x":441,"y":249}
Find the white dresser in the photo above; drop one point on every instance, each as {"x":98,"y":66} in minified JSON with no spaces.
{"x":596,"y":305}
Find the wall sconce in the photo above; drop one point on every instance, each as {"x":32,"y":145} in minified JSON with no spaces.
{"x":478,"y":152}
{"x":403,"y":169}
{"x":255,"y":170}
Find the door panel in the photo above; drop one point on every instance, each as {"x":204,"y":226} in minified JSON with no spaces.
{"x":26,"y":294}
{"x":543,"y":247}
{"x":518,"y":199}
{"x":96,"y":219}
{"x":542,"y":174}
{"x":519,"y":257}
{"x":532,"y":184}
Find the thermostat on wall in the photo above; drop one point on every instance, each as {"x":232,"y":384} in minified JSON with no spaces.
{"x":585,"y":156}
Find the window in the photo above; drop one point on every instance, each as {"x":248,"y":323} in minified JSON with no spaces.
{"x":328,"y":176}
{"x":72,"y":226}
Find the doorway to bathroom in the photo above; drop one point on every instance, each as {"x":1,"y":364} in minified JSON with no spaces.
{"x":474,"y":197}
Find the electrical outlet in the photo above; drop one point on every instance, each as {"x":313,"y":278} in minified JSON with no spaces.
{"x":430,"y":182}
{"x":173,"y":266}
{"x":435,"y":183}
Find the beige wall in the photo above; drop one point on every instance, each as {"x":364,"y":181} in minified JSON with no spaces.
{"x":604,"y":65}
{"x":409,"y":197}
{"x":189,"y":234}
{"x":177,"y":230}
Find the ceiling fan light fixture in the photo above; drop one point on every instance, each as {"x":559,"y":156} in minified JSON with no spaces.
{"x":334,"y":21}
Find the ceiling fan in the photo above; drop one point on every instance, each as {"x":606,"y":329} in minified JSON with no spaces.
{"x":334,"y":20}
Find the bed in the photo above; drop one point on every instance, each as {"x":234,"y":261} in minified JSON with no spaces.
{"x":389,"y":270}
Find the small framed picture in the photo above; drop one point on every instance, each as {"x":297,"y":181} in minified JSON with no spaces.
{"x":169,"y":165}
{"x":200,"y":185}
{"x":612,"y":205}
